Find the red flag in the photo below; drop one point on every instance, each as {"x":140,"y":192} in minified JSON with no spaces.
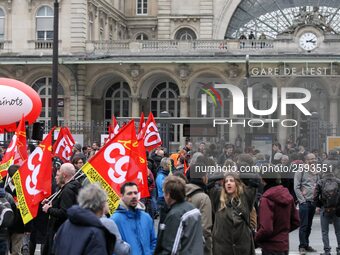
{"x":113,"y":128}
{"x":16,"y":152}
{"x":62,"y":147}
{"x":141,"y":126}
{"x":33,"y":179}
{"x":120,"y":160}
{"x":150,"y":134}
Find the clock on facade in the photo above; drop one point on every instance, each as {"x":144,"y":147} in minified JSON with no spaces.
{"x":308,"y":41}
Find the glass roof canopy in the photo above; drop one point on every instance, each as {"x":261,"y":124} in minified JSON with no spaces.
{"x":273,"y":17}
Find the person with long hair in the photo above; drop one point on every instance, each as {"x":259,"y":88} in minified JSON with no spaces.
{"x":232,"y":231}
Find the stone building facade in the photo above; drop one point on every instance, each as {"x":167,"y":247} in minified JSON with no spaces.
{"x":124,"y":57}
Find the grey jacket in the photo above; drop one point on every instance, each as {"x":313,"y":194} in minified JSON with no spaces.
{"x":181,"y":233}
{"x":201,"y":201}
{"x":304,"y":185}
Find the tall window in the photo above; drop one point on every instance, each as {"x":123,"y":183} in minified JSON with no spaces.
{"x":185,"y":34}
{"x":118,"y":100}
{"x":44,"y":20}
{"x":2,"y":25}
{"x":165,"y":97}
{"x":90,"y":32}
{"x":43,"y":87}
{"x":101,"y":30}
{"x":142,"y":7}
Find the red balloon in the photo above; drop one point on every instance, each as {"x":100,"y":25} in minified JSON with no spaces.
{"x":17,"y":99}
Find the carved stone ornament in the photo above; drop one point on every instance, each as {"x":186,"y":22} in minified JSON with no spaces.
{"x":183,"y":71}
{"x":233,"y":71}
{"x":135,"y":71}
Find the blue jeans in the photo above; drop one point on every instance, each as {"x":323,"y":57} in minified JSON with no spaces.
{"x":325,"y":220}
{"x":306,"y":213}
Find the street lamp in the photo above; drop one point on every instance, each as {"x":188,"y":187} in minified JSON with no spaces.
{"x":54,"y":112}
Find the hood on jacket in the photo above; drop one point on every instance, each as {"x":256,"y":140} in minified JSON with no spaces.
{"x":83,"y":217}
{"x":191,"y":188}
{"x":279,"y":195}
{"x":123,"y":208}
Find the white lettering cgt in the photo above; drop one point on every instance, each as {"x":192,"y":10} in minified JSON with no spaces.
{"x":118,"y":165}
{"x":150,"y":134}
{"x":31,"y":181}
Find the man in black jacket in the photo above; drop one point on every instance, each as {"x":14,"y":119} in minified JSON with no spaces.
{"x":57,"y":209}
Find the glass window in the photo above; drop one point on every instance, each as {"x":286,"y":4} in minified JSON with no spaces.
{"x":43,"y":86}
{"x":44,"y":23}
{"x":165,"y":97}
{"x":117,"y":100}
{"x":142,"y":7}
{"x":142,"y":37}
{"x":185,"y":34}
{"x":272,"y":17}
{"x":2,"y":25}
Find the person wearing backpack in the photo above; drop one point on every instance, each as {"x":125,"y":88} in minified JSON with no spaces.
{"x":195,"y":192}
{"x":7,"y":208}
{"x":326,"y":197}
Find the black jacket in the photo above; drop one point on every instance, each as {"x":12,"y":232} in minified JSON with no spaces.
{"x":66,"y":198}
{"x":83,"y":233}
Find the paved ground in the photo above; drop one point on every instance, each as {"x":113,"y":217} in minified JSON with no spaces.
{"x":315,"y":239}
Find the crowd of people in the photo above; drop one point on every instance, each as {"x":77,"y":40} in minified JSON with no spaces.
{"x":188,"y":211}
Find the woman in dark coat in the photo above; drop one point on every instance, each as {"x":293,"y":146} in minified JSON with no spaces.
{"x":231,"y":232}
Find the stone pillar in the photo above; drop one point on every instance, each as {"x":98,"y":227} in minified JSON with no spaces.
{"x":235,"y":129}
{"x":135,"y":107}
{"x":184,"y":103}
{"x":333,"y":114}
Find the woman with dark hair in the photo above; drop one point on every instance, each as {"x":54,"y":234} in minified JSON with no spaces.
{"x":231,"y":230}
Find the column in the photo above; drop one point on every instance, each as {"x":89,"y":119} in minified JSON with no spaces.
{"x":135,"y":106}
{"x":333,"y":114}
{"x":184,"y":101}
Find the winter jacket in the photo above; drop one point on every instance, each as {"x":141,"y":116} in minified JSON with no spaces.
{"x":304,"y":185}
{"x":277,"y":217}
{"x":201,"y":201}
{"x":162,"y":174}
{"x":66,"y":198}
{"x":318,"y":199}
{"x":83,"y":233}
{"x":231,"y":233}
{"x":136,"y":228}
{"x":181,"y":233}
{"x":121,"y":247}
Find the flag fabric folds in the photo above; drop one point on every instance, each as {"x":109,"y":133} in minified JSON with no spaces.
{"x":33,"y":180}
{"x":150,"y":135}
{"x":122,"y":159}
{"x":62,"y":147}
{"x":16,"y":152}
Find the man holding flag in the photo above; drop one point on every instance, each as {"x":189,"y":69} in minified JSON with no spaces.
{"x":65,"y":198}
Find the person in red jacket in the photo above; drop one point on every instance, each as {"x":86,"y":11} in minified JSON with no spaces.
{"x":277,"y":217}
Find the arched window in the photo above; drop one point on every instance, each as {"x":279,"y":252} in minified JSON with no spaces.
{"x":43,"y":86}
{"x":142,"y":37}
{"x":185,"y":34}
{"x":274,"y":17}
{"x":91,"y":27}
{"x":165,"y":97}
{"x":44,"y":22}
{"x":2,"y":25}
{"x":118,"y":100}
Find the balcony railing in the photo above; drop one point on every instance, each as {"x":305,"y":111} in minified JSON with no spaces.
{"x":175,"y":47}
{"x":44,"y":44}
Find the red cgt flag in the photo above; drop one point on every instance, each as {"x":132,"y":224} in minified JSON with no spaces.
{"x":113,"y":128}
{"x":121,"y":159}
{"x":33,"y":179}
{"x":62,"y":147}
{"x":150,"y":135}
{"x":141,"y":126}
{"x":16,"y":152}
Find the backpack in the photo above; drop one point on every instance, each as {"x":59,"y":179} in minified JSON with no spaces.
{"x":6,"y":213}
{"x":330,"y":193}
